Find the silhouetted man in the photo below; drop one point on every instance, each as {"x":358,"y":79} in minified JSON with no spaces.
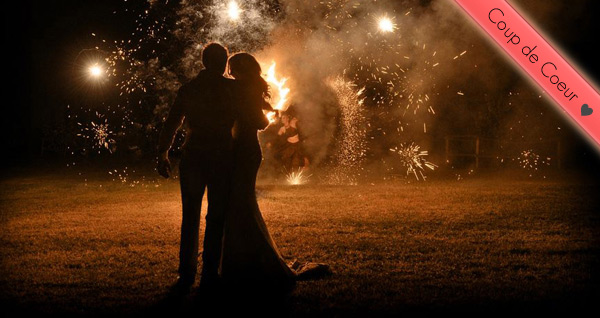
{"x":206,"y":105}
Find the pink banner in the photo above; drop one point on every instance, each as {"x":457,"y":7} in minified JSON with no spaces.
{"x":536,"y":57}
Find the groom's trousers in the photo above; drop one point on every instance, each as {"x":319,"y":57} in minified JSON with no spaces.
{"x":200,"y":170}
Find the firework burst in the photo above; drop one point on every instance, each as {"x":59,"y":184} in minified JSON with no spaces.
{"x":413,"y":158}
{"x":99,"y":133}
{"x":386,"y":25}
{"x":297,"y":177}
{"x":531,"y":161}
{"x":233,"y":11}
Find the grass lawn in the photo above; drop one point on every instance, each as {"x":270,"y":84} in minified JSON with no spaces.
{"x":485,"y":243}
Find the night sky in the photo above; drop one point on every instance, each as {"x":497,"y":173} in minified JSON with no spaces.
{"x":44,"y":37}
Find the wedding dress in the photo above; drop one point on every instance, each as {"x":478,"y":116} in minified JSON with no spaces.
{"x":250,"y":256}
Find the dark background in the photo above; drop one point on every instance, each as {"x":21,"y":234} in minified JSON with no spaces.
{"x":42,"y":39}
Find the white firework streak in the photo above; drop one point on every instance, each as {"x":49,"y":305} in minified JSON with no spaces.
{"x":413,"y":159}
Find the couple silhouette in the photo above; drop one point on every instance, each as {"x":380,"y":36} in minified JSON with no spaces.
{"x":222,"y":154}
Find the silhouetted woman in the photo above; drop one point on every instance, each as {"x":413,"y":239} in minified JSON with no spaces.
{"x":250,"y":256}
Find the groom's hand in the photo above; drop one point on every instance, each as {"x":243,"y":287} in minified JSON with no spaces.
{"x":164,"y":165}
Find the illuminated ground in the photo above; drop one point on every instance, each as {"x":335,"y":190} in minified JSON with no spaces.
{"x":447,"y":245}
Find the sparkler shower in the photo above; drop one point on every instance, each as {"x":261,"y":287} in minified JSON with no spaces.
{"x":351,"y":149}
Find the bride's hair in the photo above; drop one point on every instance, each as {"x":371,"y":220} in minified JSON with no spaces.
{"x":246,"y":64}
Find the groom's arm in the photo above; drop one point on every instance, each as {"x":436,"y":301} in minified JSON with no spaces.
{"x":172,"y":124}
{"x":165,"y":139}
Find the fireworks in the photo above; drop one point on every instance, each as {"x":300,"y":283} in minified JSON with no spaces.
{"x":352,"y":141}
{"x":386,"y":25}
{"x":90,"y":72}
{"x":95,"y":70}
{"x":297,"y":177}
{"x":414,"y":160}
{"x":233,"y":11}
{"x":99,"y":133}
{"x":241,"y":26}
{"x":529,"y":160}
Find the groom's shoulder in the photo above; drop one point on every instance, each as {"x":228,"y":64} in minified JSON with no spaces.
{"x":199,"y":82}
{"x":209,"y":82}
{"x":229,"y":84}
{"x":192,"y":84}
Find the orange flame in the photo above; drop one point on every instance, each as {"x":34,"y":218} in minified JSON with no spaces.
{"x":280,"y":98}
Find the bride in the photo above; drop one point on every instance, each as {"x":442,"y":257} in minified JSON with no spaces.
{"x":250,"y":257}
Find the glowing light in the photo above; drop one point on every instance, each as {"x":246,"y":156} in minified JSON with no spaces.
{"x":386,"y":25}
{"x":95,"y":70}
{"x":281,"y":90}
{"x":233,"y":11}
{"x":297,"y":178}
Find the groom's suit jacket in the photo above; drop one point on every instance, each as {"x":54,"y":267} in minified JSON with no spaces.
{"x":206,"y":105}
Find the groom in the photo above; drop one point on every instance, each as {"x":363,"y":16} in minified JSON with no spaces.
{"x":206,"y":104}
